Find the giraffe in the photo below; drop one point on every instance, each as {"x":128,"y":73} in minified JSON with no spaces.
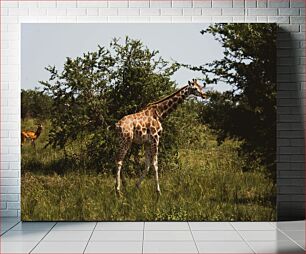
{"x":144,"y":127}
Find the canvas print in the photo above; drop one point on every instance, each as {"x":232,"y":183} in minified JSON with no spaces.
{"x":148,"y":122}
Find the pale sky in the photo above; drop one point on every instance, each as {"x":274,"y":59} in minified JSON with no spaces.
{"x":50,"y":44}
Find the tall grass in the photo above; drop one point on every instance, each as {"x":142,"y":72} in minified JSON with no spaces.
{"x":209,"y":184}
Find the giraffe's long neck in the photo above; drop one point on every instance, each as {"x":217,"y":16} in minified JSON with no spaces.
{"x":167,"y":105}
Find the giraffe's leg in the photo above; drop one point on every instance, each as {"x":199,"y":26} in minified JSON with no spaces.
{"x":119,"y":166}
{"x":124,"y":147}
{"x":154,"y":157}
{"x":123,"y":179}
{"x":147,"y":165}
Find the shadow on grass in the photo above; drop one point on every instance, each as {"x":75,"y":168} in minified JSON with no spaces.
{"x":59,"y":166}
{"x":245,"y":200}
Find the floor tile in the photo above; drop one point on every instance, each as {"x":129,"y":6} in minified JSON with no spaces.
{"x":301,"y":243}
{"x":273,"y":223}
{"x":9,"y":220}
{"x":7,"y":225}
{"x":166,"y":226}
{"x":17,"y":247}
{"x":258,"y":235}
{"x":253,"y":226}
{"x":216,"y":236}
{"x":224,"y":226}
{"x":276,"y":247}
{"x":33,"y":226}
{"x":167,"y":236}
{"x":22,"y":236}
{"x":5,"y":228}
{"x":291,"y":225}
{"x":119,"y":226}
{"x":169,"y":247}
{"x":63,"y":226}
{"x":114,"y":247}
{"x":296,"y":235}
{"x":223,"y":247}
{"x":69,"y":236}
{"x":99,"y":236}
{"x":60,"y":247}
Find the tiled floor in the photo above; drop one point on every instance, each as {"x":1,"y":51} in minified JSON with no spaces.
{"x":152,"y":237}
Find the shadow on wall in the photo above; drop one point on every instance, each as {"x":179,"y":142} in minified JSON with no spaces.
{"x":290,"y":126}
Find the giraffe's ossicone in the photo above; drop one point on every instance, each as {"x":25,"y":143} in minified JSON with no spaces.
{"x":144,"y":127}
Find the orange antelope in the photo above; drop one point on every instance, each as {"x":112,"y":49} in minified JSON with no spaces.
{"x":31,"y":135}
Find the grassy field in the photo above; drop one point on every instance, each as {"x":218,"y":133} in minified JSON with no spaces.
{"x":208,"y":185}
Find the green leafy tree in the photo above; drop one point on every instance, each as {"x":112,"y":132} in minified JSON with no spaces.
{"x":35,"y":104}
{"x":248,"y":110}
{"x":96,"y":90}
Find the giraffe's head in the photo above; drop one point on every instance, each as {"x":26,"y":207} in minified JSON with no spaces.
{"x":196,"y":89}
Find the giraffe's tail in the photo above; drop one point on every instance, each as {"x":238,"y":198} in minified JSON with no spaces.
{"x":113,"y":127}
